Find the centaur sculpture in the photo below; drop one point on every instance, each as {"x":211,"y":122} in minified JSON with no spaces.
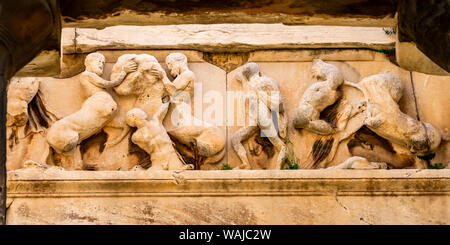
{"x":28,"y":27}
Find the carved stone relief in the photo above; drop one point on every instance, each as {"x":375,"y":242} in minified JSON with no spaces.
{"x":119,"y":118}
{"x":381,"y":118}
{"x":143,"y":118}
{"x":263,"y":97}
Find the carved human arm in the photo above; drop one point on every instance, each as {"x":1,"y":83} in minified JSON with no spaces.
{"x":162,"y":112}
{"x":180,"y":83}
{"x":357,"y":86}
{"x":169,"y":86}
{"x":269,"y":92}
{"x":351,"y":84}
{"x":95,"y":79}
{"x":119,"y":138}
{"x":183,"y":80}
{"x":158,"y":72}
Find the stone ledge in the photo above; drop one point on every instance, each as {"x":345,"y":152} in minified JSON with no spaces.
{"x":34,"y":183}
{"x":229,"y":197}
{"x":223,"y":37}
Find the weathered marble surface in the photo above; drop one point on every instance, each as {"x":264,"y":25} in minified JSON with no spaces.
{"x":224,"y":37}
{"x":291,"y":70}
{"x":305,"y":197}
{"x":293,"y":78}
{"x":65,"y":99}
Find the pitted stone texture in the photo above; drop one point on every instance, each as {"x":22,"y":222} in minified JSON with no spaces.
{"x":209,"y":79}
{"x":224,"y":37}
{"x":229,"y":197}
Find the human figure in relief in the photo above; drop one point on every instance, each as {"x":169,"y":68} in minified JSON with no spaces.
{"x":264,"y":96}
{"x":151,"y":136}
{"x":195,"y":138}
{"x":321,"y":94}
{"x":97,"y":111}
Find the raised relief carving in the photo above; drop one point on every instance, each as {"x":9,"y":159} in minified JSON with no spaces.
{"x":330,"y":110}
{"x":65,"y":134}
{"x":323,"y":93}
{"x":384,"y":117}
{"x":141,"y":119}
{"x":357,"y":162}
{"x":395,"y":136}
{"x":98,"y":109}
{"x":263,"y":97}
{"x":181,"y":89}
{"x":25,"y":123}
{"x":20,"y":93}
{"x":143,"y":86}
{"x":121,"y":117}
{"x":198,"y":141}
{"x":153,"y":138}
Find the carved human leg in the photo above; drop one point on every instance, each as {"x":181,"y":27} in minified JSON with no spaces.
{"x":215,"y":158}
{"x":65,"y":134}
{"x":236,"y":141}
{"x":320,"y":127}
{"x":268,"y":128}
{"x":307,"y":117}
{"x":115,"y":124}
{"x":282,"y":123}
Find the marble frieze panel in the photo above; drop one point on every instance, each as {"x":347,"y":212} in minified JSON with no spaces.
{"x":126,"y":110}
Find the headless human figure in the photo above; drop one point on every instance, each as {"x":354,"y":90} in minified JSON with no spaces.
{"x":152,"y":137}
{"x":319,"y":96}
{"x":259,"y":113}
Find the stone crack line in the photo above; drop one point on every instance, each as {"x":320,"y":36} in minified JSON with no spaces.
{"x":413,"y":173}
{"x":362,"y":219}
{"x":75,"y":40}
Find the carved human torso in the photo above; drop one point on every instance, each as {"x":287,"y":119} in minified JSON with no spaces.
{"x":148,"y":89}
{"x":185,"y":94}
{"x":154,"y":139}
{"x":87,"y":84}
{"x":384,"y":117}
